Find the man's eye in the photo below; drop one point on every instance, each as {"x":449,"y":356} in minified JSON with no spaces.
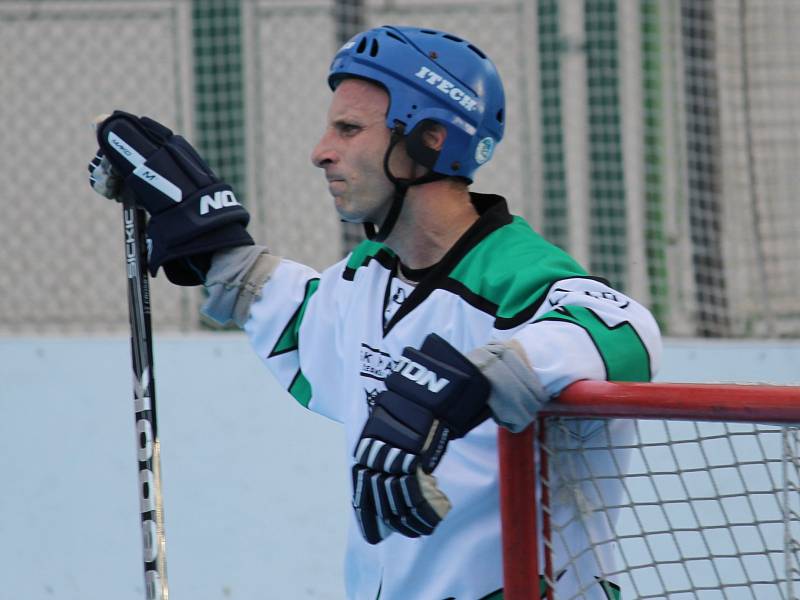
{"x":349,"y":128}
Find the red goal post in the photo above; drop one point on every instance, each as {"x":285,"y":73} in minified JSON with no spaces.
{"x":522,"y":471}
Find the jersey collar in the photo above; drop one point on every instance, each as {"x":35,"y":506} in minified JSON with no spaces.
{"x":492,"y":214}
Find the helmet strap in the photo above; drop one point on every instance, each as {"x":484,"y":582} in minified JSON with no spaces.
{"x":400,"y":188}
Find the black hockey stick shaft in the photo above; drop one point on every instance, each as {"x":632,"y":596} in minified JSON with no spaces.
{"x":144,"y":396}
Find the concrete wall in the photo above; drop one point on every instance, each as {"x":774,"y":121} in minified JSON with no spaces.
{"x":255,"y":487}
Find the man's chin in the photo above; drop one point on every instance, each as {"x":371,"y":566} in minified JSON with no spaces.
{"x":346,"y":212}
{"x":347,"y":216}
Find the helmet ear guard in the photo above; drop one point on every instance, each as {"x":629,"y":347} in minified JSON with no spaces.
{"x":416,"y":147}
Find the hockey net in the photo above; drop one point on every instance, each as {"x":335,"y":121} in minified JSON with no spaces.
{"x":655,"y":491}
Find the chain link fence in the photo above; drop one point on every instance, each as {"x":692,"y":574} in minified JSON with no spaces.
{"x":658,"y":142}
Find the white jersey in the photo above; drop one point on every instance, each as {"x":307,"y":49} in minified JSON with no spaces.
{"x":332,"y":338}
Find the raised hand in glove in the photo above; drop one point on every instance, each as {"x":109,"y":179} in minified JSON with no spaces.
{"x":434,"y":395}
{"x":193,"y":212}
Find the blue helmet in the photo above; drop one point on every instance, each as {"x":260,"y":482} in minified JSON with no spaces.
{"x":431,"y":75}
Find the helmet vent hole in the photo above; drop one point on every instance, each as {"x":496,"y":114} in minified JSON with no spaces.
{"x":373,"y":49}
{"x":447,"y":36}
{"x":500,"y":116}
{"x":476,"y":50}
{"x":362,"y":45}
{"x":394,"y":36}
{"x":429,"y":31}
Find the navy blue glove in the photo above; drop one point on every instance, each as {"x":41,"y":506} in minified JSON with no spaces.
{"x":435,"y":394}
{"x":192,"y":212}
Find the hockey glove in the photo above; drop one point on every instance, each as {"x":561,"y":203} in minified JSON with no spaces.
{"x":192,"y":212}
{"x":434,"y":395}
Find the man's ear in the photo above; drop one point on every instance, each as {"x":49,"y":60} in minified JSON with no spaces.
{"x":434,"y":135}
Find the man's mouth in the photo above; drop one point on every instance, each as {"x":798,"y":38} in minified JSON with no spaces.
{"x":335,"y":183}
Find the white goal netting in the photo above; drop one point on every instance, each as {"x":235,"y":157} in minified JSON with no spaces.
{"x":691,"y":511}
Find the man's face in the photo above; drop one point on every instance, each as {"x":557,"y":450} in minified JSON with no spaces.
{"x":351,"y":152}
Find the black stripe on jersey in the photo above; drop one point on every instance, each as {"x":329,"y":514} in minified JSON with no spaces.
{"x":490,"y":308}
{"x":470,"y":297}
{"x":387,"y":293}
{"x":527,"y":313}
{"x":493,"y":215}
{"x":383,"y":258}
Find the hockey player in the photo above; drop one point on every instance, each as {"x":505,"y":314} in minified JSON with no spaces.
{"x":454,"y":316}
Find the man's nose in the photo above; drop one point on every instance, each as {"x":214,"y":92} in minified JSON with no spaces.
{"x":323,"y":154}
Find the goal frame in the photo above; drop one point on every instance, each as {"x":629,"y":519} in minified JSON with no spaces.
{"x":519,"y":478}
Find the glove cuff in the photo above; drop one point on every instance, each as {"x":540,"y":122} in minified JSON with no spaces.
{"x":188,"y":263}
{"x":517,"y":394}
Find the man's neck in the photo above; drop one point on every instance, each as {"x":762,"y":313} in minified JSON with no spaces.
{"x":434,"y":217}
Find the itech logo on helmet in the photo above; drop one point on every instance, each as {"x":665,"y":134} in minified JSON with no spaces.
{"x":448,"y":88}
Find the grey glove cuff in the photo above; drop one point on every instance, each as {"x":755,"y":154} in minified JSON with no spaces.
{"x":234,"y":282}
{"x":517,"y":393}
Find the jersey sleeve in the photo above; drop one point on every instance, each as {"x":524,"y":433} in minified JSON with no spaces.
{"x":584,"y":329}
{"x":290,"y":309}
{"x":569,"y":325}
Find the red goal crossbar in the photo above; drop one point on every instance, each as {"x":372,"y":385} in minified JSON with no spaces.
{"x":602,"y":399}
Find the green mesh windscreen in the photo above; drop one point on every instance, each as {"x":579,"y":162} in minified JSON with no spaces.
{"x":655,"y":141}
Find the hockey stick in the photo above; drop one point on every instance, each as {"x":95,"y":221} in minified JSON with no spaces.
{"x":149,"y":450}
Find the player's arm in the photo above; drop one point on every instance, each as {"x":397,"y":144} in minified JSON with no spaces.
{"x":583,"y":329}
